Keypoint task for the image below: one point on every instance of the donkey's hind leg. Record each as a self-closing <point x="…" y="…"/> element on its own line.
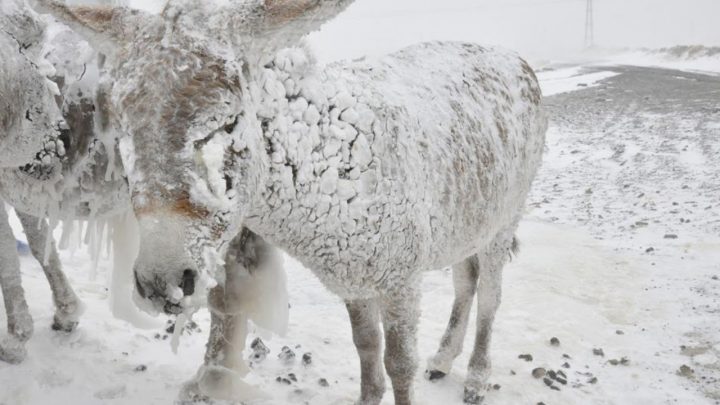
<point x="19" y="321"/>
<point x="68" y="307"/>
<point x="465" y="280"/>
<point x="365" y="321"/>
<point x="490" y="264"/>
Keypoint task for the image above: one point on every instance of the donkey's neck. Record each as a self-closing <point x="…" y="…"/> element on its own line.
<point x="315" y="131"/>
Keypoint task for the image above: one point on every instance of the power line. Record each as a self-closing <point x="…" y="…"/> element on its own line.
<point x="589" y="25"/>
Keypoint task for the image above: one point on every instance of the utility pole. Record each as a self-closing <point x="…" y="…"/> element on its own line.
<point x="589" y="26"/>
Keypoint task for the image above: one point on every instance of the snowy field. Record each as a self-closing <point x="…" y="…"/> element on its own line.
<point x="618" y="254"/>
<point x="620" y="261"/>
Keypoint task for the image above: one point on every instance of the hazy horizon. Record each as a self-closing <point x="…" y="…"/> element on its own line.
<point x="539" y="28"/>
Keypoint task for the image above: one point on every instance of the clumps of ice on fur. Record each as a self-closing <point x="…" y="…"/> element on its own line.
<point x="125" y="247"/>
<point x="262" y="294"/>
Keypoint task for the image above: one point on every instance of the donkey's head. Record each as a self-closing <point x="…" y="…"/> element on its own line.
<point x="185" y="92"/>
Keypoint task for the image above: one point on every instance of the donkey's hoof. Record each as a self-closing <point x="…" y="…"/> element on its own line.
<point x="63" y="325"/>
<point x="190" y="394"/>
<point x="67" y="317"/>
<point x="12" y="350"/>
<point x="473" y="396"/>
<point x="434" y="375"/>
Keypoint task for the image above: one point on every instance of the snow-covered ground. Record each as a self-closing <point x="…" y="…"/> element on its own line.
<point x="619" y="252"/>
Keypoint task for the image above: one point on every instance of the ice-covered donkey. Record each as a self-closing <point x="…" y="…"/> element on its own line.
<point x="51" y="161"/>
<point x="368" y="172"/>
<point x="62" y="165"/>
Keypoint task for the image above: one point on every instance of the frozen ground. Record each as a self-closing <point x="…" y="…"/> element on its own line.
<point x="619" y="252"/>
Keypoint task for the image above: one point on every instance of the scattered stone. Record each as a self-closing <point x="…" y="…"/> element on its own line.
<point x="260" y="351"/>
<point x="619" y="332"/>
<point x="323" y="382"/>
<point x="286" y="354"/>
<point x="685" y="371"/>
<point x="671" y="236"/>
<point x="283" y="380"/>
<point x="539" y="372"/>
<point x="307" y="359"/>
<point x="552" y="374"/>
<point x="716" y="278"/>
<point x="141" y="368"/>
<point x="555" y="342"/>
<point x="496" y="387"/>
<point x="593" y="380"/>
<point x="599" y="352"/>
<point x="548" y="381"/>
<point x="526" y="357"/>
<point x="512" y="372"/>
<point x="650" y="250"/>
<point x="555" y="387"/>
<point x="292" y="377"/>
<point x="623" y="361"/>
<point x="566" y="365"/>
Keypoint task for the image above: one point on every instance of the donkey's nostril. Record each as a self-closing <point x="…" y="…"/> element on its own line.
<point x="188" y="282"/>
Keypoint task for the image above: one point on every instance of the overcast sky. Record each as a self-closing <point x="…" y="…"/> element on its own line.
<point x="539" y="28"/>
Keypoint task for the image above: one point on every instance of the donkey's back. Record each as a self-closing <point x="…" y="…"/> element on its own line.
<point x="457" y="138"/>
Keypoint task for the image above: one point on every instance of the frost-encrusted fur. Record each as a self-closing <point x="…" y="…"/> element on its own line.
<point x="28" y="115"/>
<point x="66" y="174"/>
<point x="368" y="172"/>
<point x="370" y="182"/>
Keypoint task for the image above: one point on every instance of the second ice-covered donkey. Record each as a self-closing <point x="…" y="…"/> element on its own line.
<point x="368" y="172"/>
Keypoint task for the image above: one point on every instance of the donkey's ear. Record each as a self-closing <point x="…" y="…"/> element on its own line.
<point x="105" y="28"/>
<point x="293" y="19"/>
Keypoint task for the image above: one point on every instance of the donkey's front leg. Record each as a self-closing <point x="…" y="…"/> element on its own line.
<point x="218" y="377"/>
<point x="68" y="307"/>
<point x="19" y="321"/>
<point x="365" y="321"/>
<point x="465" y="281"/>
<point x="400" y="315"/>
